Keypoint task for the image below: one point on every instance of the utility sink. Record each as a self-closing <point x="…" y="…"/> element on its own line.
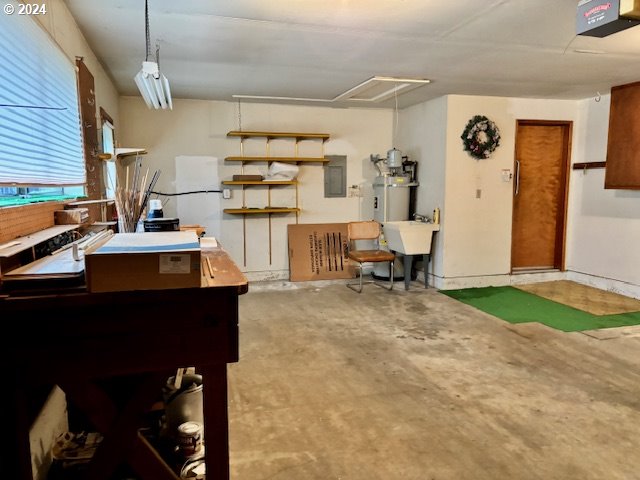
<point x="409" y="237"/>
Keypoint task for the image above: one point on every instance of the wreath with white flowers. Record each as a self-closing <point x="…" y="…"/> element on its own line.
<point x="480" y="137"/>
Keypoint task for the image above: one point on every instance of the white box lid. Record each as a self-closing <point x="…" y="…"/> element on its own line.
<point x="150" y="242"/>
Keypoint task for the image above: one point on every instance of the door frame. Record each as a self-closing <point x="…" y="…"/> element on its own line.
<point x="561" y="218"/>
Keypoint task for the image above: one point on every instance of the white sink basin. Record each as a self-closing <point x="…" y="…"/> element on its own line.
<point x="409" y="237"/>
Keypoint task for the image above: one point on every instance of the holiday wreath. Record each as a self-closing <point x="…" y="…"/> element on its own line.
<point x="480" y="137"/>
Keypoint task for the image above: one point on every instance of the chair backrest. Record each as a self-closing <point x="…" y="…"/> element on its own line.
<point x="369" y="230"/>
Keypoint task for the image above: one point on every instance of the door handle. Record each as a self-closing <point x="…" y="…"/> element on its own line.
<point x="517" y="177"/>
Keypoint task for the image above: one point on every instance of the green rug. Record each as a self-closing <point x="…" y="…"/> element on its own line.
<point x="517" y="306"/>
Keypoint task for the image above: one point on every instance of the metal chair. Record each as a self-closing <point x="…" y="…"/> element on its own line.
<point x="369" y="230"/>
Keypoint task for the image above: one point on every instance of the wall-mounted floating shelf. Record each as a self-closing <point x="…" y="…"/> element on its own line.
<point x="268" y="135"/>
<point x="589" y="165"/>
<point x="278" y="159"/>
<point x="103" y="208"/>
<point x="129" y="152"/>
<point x="260" y="182"/>
<point x="248" y="211"/>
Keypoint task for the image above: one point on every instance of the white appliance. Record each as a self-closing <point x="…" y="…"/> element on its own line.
<point x="392" y="196"/>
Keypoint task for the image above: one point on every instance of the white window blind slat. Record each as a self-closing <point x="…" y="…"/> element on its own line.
<point x="19" y="123"/>
<point x="40" y="132"/>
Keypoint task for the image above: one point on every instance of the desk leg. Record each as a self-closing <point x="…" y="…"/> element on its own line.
<point x="122" y="434"/>
<point x="15" y="458"/>
<point x="216" y="421"/>
<point x="101" y="411"/>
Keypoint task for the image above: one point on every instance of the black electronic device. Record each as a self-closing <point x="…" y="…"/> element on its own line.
<point x="161" y="225"/>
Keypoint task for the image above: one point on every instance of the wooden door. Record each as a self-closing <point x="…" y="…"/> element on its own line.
<point x="540" y="195"/>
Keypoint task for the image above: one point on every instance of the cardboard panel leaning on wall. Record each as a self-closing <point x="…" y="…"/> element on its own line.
<point x="318" y="252"/>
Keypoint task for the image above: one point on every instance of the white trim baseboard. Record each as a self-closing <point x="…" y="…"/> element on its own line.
<point x="603" y="283"/>
<point x="609" y="284"/>
<point x="267" y="275"/>
<point x="499" y="280"/>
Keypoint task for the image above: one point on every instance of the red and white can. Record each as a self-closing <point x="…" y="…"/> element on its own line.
<point x="190" y="438"/>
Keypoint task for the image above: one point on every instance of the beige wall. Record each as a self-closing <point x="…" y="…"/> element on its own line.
<point x="199" y="128"/>
<point x="473" y="247"/>
<point x="478" y="230"/>
<point x="422" y="135"/>
<point x="604" y="224"/>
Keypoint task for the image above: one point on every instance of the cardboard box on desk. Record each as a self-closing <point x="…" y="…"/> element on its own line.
<point x="71" y="217"/>
<point x="144" y="261"/>
<point x="318" y="252"/>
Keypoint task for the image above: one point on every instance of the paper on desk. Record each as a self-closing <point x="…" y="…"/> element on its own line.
<point x="208" y="242"/>
<point x="10" y="244"/>
<point x="150" y="242"/>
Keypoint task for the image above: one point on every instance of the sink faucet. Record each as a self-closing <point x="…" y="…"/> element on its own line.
<point x="420" y="218"/>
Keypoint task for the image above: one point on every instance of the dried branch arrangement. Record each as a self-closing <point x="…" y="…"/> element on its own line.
<point x="131" y="197"/>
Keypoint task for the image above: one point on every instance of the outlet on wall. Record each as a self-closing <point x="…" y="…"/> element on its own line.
<point x="226" y="193"/>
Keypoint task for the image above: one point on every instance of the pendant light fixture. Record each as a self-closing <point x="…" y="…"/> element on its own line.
<point x="153" y="85"/>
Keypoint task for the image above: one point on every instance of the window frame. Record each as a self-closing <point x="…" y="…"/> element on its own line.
<point x="27" y="192"/>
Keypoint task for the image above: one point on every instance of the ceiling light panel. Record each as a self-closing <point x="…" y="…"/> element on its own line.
<point x="377" y="89"/>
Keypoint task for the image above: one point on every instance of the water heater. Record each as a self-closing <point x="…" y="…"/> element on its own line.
<point x="391" y="198"/>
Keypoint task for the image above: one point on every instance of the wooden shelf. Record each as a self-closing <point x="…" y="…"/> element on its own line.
<point x="104" y="224"/>
<point x="244" y="211"/>
<point x="130" y="152"/>
<point x="80" y="203"/>
<point x="297" y="136"/>
<point x="259" y="182"/>
<point x="21" y="244"/>
<point x="589" y="165"/>
<point x="295" y="158"/>
<point x="278" y="159"/>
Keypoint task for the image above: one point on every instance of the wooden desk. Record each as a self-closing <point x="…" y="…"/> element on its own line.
<point x="73" y="338"/>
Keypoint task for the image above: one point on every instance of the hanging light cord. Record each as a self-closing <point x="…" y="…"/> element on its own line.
<point x="146" y="24"/>
<point x="395" y="129"/>
<point x="184" y="193"/>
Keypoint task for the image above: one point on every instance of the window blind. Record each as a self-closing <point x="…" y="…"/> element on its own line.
<point x="40" y="136"/>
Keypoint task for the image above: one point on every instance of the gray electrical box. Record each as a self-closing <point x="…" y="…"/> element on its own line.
<point x="335" y="176"/>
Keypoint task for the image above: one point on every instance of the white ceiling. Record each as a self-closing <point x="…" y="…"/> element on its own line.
<point x="213" y="49"/>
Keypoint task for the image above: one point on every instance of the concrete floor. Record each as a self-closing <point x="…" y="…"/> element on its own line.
<point x="417" y="386"/>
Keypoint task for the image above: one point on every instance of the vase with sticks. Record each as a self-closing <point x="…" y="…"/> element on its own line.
<point x="132" y="196"/>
